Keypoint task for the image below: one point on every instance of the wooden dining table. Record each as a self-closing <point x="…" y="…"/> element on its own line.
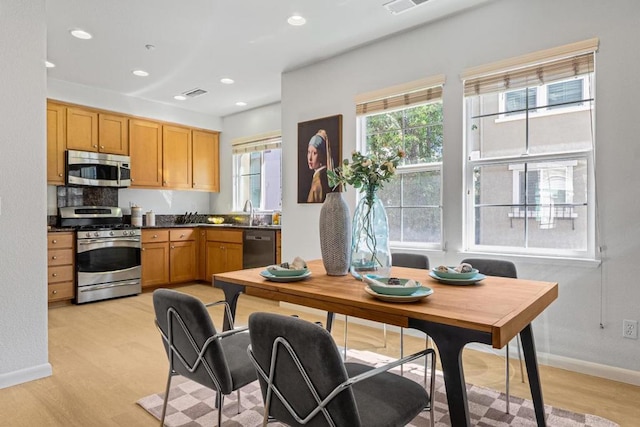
<point x="491" y="311"/>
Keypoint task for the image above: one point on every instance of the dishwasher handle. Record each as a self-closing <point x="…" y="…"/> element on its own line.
<point x="263" y="238"/>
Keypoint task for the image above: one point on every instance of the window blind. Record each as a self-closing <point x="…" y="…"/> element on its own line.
<point x="256" y="143"/>
<point x="412" y="93"/>
<point x="532" y="70"/>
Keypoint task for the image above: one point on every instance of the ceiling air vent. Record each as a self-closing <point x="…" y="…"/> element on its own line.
<point x="194" y="93"/>
<point x="399" y="6"/>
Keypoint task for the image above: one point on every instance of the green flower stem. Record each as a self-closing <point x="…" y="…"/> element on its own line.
<point x="368" y="229"/>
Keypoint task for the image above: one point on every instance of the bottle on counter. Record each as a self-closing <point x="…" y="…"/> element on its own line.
<point x="136" y="216"/>
<point x="275" y="218"/>
<point x="151" y="219"/>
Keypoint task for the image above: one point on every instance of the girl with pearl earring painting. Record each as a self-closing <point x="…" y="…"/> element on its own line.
<point x="319" y="149"/>
<point x="318" y="157"/>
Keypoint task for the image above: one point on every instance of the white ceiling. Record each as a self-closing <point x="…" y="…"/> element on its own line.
<point x="198" y="42"/>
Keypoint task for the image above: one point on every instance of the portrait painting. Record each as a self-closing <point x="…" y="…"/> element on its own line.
<point x="319" y="150"/>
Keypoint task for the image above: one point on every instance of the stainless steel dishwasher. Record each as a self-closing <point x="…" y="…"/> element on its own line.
<point x="259" y="248"/>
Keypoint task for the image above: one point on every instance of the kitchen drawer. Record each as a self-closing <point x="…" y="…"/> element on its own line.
<point x="62" y="273"/>
<point x="61" y="291"/>
<point x="60" y="240"/>
<point x="182" y="234"/>
<point x="231" y="236"/>
<point x="60" y="257"/>
<point x="151" y="236"/>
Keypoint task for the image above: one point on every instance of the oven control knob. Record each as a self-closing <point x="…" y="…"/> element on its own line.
<point x="96" y="234"/>
<point x="88" y="234"/>
<point x="111" y="233"/>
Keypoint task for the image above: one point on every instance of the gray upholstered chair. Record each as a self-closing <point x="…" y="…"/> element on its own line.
<point x="304" y="381"/>
<point x="196" y="350"/>
<point x="494" y="267"/>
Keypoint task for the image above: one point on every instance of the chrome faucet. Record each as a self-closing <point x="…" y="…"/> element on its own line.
<point x="248" y="207"/>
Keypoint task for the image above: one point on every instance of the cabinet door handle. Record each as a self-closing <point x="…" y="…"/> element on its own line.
<point x="54" y="292"/>
<point x="181" y="236"/>
<point x="60" y="175"/>
<point x="173" y="247"/>
<point x="54" y="241"/>
<point x="95" y="145"/>
<point x="102" y="146"/>
<point x="155" y="236"/>
<point x="54" y="257"/>
<point x="144" y="249"/>
<point x="55" y="274"/>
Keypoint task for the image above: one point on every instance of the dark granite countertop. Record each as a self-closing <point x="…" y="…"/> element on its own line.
<point x="221" y="226"/>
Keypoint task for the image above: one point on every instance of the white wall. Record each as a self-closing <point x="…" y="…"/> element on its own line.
<point x="570" y="326"/>
<point x="258" y="121"/>
<point x="23" y="257"/>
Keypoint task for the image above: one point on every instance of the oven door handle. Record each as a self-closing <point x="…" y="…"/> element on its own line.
<point x="90" y="244"/>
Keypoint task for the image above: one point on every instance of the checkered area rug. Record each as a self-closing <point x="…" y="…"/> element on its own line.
<point x="192" y="405"/>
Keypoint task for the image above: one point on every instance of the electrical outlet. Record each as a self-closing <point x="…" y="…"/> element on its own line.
<point x="630" y="329"/>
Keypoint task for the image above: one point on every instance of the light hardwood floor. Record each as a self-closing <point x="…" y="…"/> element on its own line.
<point x="107" y="355"/>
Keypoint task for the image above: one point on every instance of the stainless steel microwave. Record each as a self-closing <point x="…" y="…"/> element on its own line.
<point x="97" y="169"/>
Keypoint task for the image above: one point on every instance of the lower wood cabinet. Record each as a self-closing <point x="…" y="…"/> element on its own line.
<point x="278" y="247"/>
<point x="60" y="266"/>
<point x="168" y="256"/>
<point x="182" y="255"/>
<point x="223" y="251"/>
<point x="155" y="257"/>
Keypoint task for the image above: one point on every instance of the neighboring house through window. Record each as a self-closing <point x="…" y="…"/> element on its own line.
<point x="412" y="121"/>
<point x="529" y="168"/>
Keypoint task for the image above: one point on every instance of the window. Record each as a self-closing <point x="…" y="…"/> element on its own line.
<point x="520" y="100"/>
<point x="413" y="197"/>
<point x="529" y="163"/>
<point x="560" y="97"/>
<point x="257" y="174"/>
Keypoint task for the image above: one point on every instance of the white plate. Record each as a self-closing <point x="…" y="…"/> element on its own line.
<point x="423" y="292"/>
<point x="472" y="281"/>
<point x="273" y="278"/>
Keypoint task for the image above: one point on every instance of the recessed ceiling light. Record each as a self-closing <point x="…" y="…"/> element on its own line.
<point x="227" y="81"/>
<point x="49" y="64"/>
<point x="296" y="20"/>
<point x="140" y="73"/>
<point x="80" y="34"/>
<point x="180" y="97"/>
<point x="241" y="103"/>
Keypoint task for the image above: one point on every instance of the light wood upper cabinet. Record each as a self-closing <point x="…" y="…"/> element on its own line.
<point x="163" y="155"/>
<point x="145" y="146"/>
<point x="113" y="134"/>
<point x="82" y="129"/>
<point x="56" y="143"/>
<point x="206" y="161"/>
<point x="176" y="157"/>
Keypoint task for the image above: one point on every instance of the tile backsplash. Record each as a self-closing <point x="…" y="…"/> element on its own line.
<point x="86" y="196"/>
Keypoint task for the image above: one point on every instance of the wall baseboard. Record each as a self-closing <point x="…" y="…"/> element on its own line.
<point x="575" y="365"/>
<point x="25" y="375"/>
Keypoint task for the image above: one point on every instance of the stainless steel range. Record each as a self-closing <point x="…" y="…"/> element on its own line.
<point x="107" y="252"/>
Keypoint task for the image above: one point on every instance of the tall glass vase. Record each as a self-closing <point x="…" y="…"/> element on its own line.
<point x="370" y="252"/>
